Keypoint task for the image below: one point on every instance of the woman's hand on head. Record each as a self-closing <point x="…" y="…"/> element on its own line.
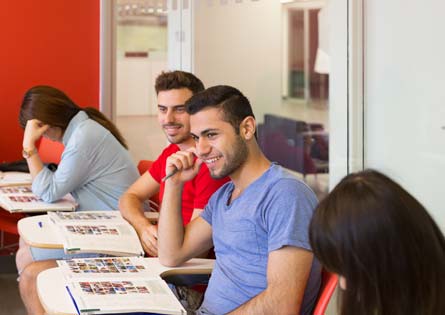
<point x="33" y="131"/>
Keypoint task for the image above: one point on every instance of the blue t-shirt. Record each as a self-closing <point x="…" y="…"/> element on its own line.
<point x="95" y="168"/>
<point x="272" y="212"/>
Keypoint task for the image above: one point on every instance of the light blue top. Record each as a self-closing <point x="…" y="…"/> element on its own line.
<point x="95" y="168"/>
<point x="272" y="212"/>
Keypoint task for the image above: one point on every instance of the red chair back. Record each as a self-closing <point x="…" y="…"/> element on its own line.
<point x="9" y="235"/>
<point x="8" y="221"/>
<point x="328" y="285"/>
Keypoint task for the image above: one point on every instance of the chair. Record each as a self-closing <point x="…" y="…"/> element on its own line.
<point x="143" y="166"/>
<point x="8" y="231"/>
<point x="328" y="285"/>
<point x="295" y="144"/>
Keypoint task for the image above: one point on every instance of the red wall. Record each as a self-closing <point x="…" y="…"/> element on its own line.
<point x="51" y="42"/>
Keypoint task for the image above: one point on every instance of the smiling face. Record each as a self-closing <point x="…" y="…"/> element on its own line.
<point x="217" y="143"/>
<point x="172" y="117"/>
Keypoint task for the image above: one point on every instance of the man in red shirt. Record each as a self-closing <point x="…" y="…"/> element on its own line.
<point x="173" y="89"/>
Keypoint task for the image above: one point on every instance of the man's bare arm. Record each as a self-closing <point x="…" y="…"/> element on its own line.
<point x="176" y="244"/>
<point x="288" y="270"/>
<point x="132" y="209"/>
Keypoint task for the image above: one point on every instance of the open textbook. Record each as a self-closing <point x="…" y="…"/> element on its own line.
<point x="104" y="232"/>
<point x="118" y="285"/>
<point x="14" y="178"/>
<point x="21" y="199"/>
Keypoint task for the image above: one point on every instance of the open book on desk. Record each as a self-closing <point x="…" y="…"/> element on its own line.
<point x="102" y="232"/>
<point x="14" y="178"/>
<point x="21" y="199"/>
<point x="113" y="285"/>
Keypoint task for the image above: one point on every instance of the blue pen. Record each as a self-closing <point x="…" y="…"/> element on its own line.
<point x="72" y="299"/>
<point x="40" y="224"/>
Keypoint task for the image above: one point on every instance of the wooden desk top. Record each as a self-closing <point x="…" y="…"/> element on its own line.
<point x="38" y="231"/>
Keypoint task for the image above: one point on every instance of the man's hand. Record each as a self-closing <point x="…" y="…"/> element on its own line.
<point x="186" y="164"/>
<point x="149" y="239"/>
<point x="33" y="131"/>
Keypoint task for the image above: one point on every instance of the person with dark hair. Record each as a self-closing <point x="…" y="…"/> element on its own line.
<point x="257" y="223"/>
<point x="387" y="250"/>
<point x="173" y="89"/>
<point x="87" y="136"/>
<point x="95" y="167"/>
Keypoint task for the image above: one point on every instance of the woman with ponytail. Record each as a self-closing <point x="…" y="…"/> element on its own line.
<point x="95" y="166"/>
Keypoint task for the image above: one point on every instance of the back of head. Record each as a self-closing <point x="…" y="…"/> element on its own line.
<point x="173" y="80"/>
<point x="49" y="105"/>
<point x="232" y="103"/>
<point x="53" y="107"/>
<point x="382" y="240"/>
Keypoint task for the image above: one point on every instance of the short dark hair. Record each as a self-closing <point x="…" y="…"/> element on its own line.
<point x="232" y="103"/>
<point x="172" y="80"/>
<point x="383" y="241"/>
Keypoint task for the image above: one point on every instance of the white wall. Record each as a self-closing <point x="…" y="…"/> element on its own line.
<point x="405" y="93"/>
<point x="135" y="84"/>
<point x="135" y="76"/>
<point x="239" y="44"/>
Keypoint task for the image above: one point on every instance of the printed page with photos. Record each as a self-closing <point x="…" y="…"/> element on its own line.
<point x="118" y="295"/>
<point x="106" y="267"/>
<point x="14" y="179"/>
<point x="21" y="199"/>
<point x="91" y="217"/>
<point x="105" y="285"/>
<point x="102" y="232"/>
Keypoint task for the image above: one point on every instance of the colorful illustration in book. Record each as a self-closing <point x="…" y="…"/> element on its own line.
<point x="104" y="265"/>
<point x="91" y="230"/>
<point x="86" y="216"/>
<point x="16" y="190"/>
<point x="112" y="287"/>
<point x="25" y="199"/>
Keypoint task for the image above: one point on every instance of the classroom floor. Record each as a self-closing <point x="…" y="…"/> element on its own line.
<point x="10" y="302"/>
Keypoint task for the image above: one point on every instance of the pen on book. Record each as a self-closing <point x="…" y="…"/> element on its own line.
<point x="169" y="175"/>
<point x="72" y="299"/>
<point x="40" y="224"/>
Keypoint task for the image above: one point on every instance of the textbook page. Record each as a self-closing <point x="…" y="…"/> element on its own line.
<point x="94" y="295"/>
<point x="104" y="232"/>
<point x="21" y="199"/>
<point x="90" y="217"/>
<point x="106" y="267"/>
<point x="14" y="178"/>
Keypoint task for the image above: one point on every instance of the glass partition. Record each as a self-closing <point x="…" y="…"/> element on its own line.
<point x="275" y="54"/>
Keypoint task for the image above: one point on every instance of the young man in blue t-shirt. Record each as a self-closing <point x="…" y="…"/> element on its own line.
<point x="257" y="223"/>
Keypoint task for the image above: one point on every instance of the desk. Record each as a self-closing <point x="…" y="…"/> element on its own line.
<point x="38" y="231"/>
<point x="56" y="301"/>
